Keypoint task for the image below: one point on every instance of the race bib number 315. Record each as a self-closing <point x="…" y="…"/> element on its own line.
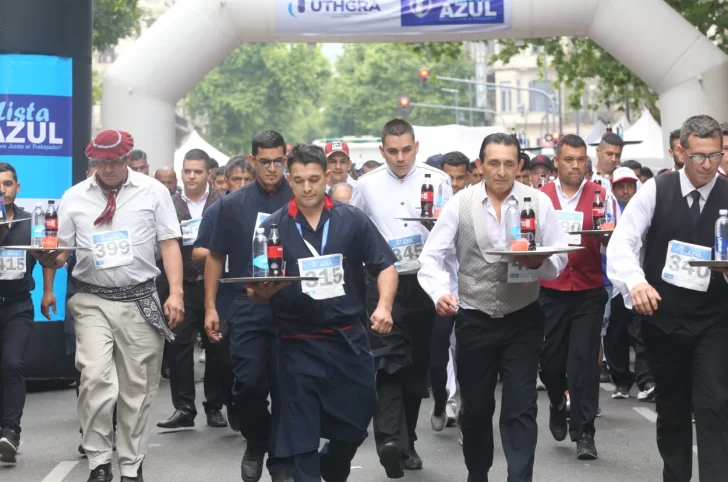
<point x="112" y="249"/>
<point x="407" y="250"/>
<point x="330" y="272"/>
<point x="12" y="264"/>
<point x="678" y="272"/>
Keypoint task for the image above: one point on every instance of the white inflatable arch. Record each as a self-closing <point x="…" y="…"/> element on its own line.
<point x="141" y="89"/>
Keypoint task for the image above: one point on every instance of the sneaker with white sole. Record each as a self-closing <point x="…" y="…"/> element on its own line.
<point x="9" y="444"/>
<point x="648" y="394"/>
<point x="452" y="413"/>
<point x="438" y="422"/>
<point x="621" y="392"/>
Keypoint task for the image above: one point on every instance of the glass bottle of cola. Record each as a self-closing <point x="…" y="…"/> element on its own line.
<point x="543" y="181"/>
<point x="275" y="252"/>
<point x="528" y="223"/>
<point x="427" y="198"/>
<point x="597" y="210"/>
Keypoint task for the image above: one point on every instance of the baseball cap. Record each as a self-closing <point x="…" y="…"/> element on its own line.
<point x="543" y="161"/>
<point x="336" y="146"/>
<point x="624" y="174"/>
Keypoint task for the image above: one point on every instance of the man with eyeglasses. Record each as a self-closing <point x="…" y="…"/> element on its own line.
<point x="573" y="305"/>
<point x="251" y="328"/>
<point x="671" y="220"/>
<point x="339" y="162"/>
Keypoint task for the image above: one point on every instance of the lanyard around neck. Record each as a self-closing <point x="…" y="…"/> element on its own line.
<point x="324" y="238"/>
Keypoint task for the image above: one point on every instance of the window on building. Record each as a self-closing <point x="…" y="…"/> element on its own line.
<point x="505" y="97"/>
<point x="538" y="102"/>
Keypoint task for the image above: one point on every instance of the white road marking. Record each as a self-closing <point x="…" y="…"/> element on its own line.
<point x="695" y="449"/>
<point x="353" y="467"/>
<point x="607" y="387"/>
<point x="647" y="413"/>
<point x="60" y="471"/>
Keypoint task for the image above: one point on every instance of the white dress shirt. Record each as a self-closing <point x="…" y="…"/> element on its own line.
<point x="384" y="197"/>
<point x="143" y="207"/>
<point x="624" y="253"/>
<point x="440" y="246"/>
<point x="569" y="203"/>
<point x="196" y="207"/>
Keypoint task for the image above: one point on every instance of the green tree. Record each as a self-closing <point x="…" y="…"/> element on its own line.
<point x="371" y="77"/>
<point x="262" y="86"/>
<point x="576" y="60"/>
<point x="113" y="20"/>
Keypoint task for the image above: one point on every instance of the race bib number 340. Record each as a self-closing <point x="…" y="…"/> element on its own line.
<point x="678" y="272"/>
<point x="407" y="250"/>
<point x="12" y="264"/>
<point x="112" y="249"/>
<point x="330" y="272"/>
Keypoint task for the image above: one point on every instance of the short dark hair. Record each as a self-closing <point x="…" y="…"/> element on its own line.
<point x="219" y="171"/>
<point x="724" y="128"/>
<point x="5" y="167"/>
<point x="238" y="162"/>
<point x="371" y="165"/>
<point x="214" y="164"/>
<point x="702" y="127"/>
<point x="526" y="161"/>
<point x="647" y="172"/>
<point x="572" y="140"/>
<point x="612" y="139"/>
<point x="197" y="155"/>
<point x="632" y="165"/>
<point x="455" y="159"/>
<point x="472" y="166"/>
<point x="307" y="154"/>
<point x="674" y="137"/>
<point x="500" y="138"/>
<point x="138" y="155"/>
<point x="397" y="127"/>
<point x="267" y="140"/>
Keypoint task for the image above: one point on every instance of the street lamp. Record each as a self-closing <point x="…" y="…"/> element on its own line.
<point x="424" y="76"/>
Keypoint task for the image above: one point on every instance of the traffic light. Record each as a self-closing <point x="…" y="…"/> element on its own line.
<point x="424" y="76"/>
<point x="404" y="105"/>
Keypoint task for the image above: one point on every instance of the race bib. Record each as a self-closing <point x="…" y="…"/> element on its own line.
<point x="330" y="271"/>
<point x="519" y="274"/>
<point x="678" y="272"/>
<point x="12" y="264"/>
<point x="571" y="221"/>
<point x="190" y="228"/>
<point x="407" y="250"/>
<point x="112" y="249"/>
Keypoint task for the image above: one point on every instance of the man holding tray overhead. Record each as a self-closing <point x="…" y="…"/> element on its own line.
<point x="322" y="361"/>
<point x="117" y="217"/>
<point x="498" y="324"/>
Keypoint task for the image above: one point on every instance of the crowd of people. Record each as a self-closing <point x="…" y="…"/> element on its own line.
<point x="396" y="307"/>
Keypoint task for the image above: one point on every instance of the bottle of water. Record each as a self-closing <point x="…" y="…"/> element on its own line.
<point x="443" y="196"/>
<point x="721" y="236"/>
<point x="513" y="223"/>
<point x="3" y="214"/>
<point x="260" y="253"/>
<point x="39" y="227"/>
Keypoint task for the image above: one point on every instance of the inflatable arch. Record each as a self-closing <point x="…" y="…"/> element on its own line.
<point x="689" y="73"/>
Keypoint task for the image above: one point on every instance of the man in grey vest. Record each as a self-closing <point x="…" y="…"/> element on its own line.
<point x="498" y="324"/>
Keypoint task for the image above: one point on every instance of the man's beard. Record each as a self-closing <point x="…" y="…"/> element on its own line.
<point x="678" y="161"/>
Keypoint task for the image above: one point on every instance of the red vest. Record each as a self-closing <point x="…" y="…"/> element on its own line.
<point x="584" y="270"/>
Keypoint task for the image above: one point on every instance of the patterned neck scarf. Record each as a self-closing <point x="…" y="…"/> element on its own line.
<point x="108" y="214"/>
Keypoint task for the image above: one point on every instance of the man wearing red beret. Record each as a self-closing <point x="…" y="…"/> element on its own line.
<point x="116" y="218"/>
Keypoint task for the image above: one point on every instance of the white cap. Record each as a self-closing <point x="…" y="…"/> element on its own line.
<point x="624" y="174"/>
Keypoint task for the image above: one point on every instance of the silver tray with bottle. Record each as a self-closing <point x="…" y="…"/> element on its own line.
<point x="540" y="251"/>
<point x="14" y="221"/>
<point x="268" y="279"/>
<point x="34" y="248"/>
<point x="419" y="220"/>
<point x="708" y="264"/>
<point x="593" y="232"/>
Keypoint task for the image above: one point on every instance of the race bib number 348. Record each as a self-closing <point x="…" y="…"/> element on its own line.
<point x="678" y="272"/>
<point x="112" y="249"/>
<point x="330" y="272"/>
<point x="407" y="250"/>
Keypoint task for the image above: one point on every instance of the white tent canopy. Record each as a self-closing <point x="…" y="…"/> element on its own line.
<point x="443" y="139"/>
<point x="651" y="152"/>
<point x="196" y="141"/>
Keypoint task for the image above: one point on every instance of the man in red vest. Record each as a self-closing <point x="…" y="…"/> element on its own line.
<point x="573" y="305"/>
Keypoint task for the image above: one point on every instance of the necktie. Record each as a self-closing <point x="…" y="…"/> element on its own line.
<point x="108" y="214"/>
<point x="695" y="208"/>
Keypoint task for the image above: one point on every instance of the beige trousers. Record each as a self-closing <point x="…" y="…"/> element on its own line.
<point x="119" y="355"/>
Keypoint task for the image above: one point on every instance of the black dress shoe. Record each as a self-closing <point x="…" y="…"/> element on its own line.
<point x="138" y="478"/>
<point x="216" y="419"/>
<point x="251" y="468"/>
<point x="179" y="419"/>
<point x="102" y="473"/>
<point x="585" y="448"/>
<point x="557" y="422"/>
<point x="391" y="459"/>
<point x="413" y="462"/>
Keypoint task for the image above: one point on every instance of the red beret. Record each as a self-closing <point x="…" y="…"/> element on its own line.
<point x="110" y="145"/>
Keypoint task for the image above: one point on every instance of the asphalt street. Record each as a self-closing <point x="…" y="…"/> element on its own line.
<point x="625" y="440"/>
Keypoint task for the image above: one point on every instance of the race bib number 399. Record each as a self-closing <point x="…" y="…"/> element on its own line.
<point x="407" y="250"/>
<point x="12" y="264"/>
<point x="112" y="249"/>
<point x="678" y="272"/>
<point x="330" y="272"/>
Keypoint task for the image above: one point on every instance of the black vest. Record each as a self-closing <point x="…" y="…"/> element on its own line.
<point x="671" y="221"/>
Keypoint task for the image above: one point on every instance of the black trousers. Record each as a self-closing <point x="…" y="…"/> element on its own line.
<point x="691" y="373"/>
<point x="398" y="411"/>
<point x="485" y="348"/>
<point x="16" y="325"/>
<point x="331" y="464"/>
<point x="570" y="355"/>
<point x="439" y="358"/>
<point x="623" y="331"/>
<point x="218" y="369"/>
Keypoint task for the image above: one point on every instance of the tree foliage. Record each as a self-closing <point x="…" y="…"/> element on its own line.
<point x="577" y="60"/>
<point x="114" y="20"/>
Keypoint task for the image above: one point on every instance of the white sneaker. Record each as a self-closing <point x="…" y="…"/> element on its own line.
<point x="647" y="395"/>
<point x="438" y="422"/>
<point x="452" y="413"/>
<point x="539" y="384"/>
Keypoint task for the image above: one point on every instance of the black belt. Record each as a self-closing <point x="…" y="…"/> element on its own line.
<point x="5" y="300"/>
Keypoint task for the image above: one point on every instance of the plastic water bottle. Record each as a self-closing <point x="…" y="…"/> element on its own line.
<point x="3" y="213"/>
<point x="39" y="227"/>
<point x="260" y="253"/>
<point x="443" y="196"/>
<point x="721" y="236"/>
<point x="513" y="223"/>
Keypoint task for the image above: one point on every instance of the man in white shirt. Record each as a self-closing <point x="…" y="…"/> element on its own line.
<point x="402" y="357"/>
<point x="609" y="154"/>
<point x="498" y="324"/>
<point x="116" y="218"/>
<point x="683" y="308"/>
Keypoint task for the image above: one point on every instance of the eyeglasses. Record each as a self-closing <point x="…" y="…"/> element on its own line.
<point x="267" y="162"/>
<point x="700" y="158"/>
